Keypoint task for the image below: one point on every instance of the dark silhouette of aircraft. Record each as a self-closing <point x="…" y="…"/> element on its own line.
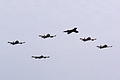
<point x="88" y="39"/>
<point x="47" y="36"/>
<point x="103" y="46"/>
<point x="40" y="57"/>
<point x="72" y="30"/>
<point x="16" y="42"/>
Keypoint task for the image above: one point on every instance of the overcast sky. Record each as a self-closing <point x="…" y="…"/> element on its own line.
<point x="70" y="58"/>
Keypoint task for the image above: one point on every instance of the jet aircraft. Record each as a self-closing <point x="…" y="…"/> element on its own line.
<point x="47" y="36"/>
<point x="40" y="57"/>
<point x="103" y="46"/>
<point x="88" y="39"/>
<point x="72" y="30"/>
<point x="16" y="42"/>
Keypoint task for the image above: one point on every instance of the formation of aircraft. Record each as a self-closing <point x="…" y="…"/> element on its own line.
<point x="16" y="42"/>
<point x="40" y="57"/>
<point x="88" y="39"/>
<point x="47" y="36"/>
<point x="103" y="46"/>
<point x="71" y="30"/>
<point x="68" y="32"/>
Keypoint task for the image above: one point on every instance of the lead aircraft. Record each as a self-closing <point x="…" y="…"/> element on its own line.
<point x="103" y="46"/>
<point x="71" y="31"/>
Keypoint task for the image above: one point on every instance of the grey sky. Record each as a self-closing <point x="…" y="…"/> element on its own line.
<point x="70" y="58"/>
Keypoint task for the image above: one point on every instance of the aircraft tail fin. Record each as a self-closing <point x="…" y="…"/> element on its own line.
<point x="52" y="36"/>
<point x="46" y="57"/>
<point x="22" y="42"/>
<point x="94" y="39"/>
<point x="76" y="31"/>
<point x="110" y="46"/>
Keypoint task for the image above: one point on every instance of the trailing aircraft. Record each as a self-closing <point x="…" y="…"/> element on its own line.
<point x="40" y="57"/>
<point x="16" y="42"/>
<point x="88" y="39"/>
<point x="47" y="36"/>
<point x="72" y="30"/>
<point x="103" y="46"/>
